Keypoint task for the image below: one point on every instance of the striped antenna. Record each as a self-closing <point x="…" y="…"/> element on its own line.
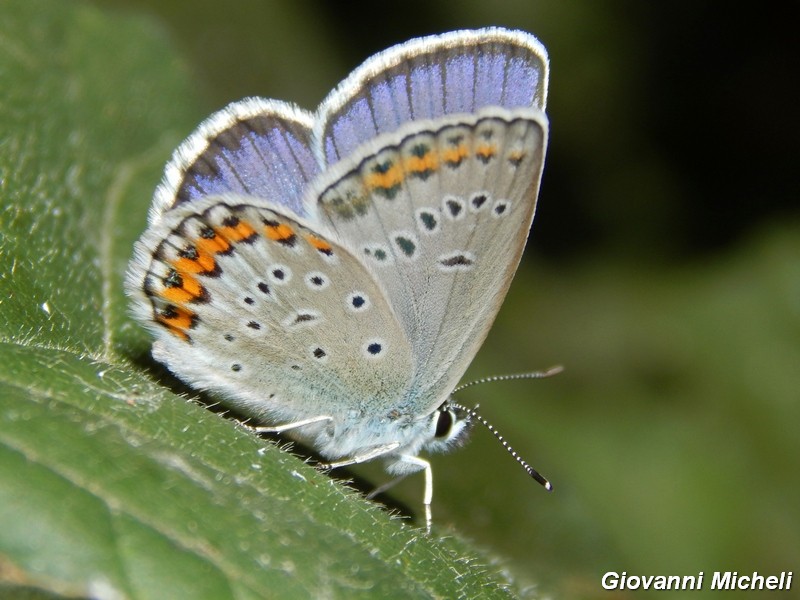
<point x="533" y="375"/>
<point x="473" y="414"/>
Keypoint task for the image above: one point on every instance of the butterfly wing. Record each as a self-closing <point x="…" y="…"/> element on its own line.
<point x="296" y="289"/>
<point x="440" y="211"/>
<point x="248" y="301"/>
<point x="439" y="145"/>
<point x="430" y="77"/>
<point x="255" y="147"/>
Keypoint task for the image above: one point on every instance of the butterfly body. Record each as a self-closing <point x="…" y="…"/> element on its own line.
<point x="337" y="273"/>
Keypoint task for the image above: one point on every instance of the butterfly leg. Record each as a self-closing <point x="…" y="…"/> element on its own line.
<point x="288" y="426"/>
<point x="422" y="464"/>
<point x="365" y="457"/>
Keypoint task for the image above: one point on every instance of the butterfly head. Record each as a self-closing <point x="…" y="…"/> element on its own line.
<point x="448" y="427"/>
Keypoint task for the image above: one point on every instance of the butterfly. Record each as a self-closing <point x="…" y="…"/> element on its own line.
<point x="333" y="274"/>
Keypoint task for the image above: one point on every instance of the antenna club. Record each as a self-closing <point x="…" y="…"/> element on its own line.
<point x="471" y="413"/>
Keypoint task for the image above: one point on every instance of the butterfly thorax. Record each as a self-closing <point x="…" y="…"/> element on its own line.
<point x="357" y="434"/>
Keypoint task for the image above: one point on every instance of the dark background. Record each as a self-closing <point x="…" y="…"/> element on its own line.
<point x="663" y="271"/>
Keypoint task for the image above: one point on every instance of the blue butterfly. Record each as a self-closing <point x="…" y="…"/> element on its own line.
<point x="336" y="272"/>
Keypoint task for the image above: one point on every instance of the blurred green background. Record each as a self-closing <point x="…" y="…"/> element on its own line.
<point x="663" y="271"/>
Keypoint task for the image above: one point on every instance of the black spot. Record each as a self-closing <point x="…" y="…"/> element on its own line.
<point x="458" y="260"/>
<point x="254" y="325"/>
<point x="478" y="201"/>
<point x="374" y="348"/>
<point x="249" y="300"/>
<point x="382" y="167"/>
<point x="377" y="253"/>
<point x="428" y="220"/>
<point x="189" y="252"/>
<point x="279" y="274"/>
<point x="295" y="367"/>
<point x="230" y="221"/>
<point x="420" y="150"/>
<point x="319" y="353"/>
<point x="236" y="367"/>
<point x="358" y="301"/>
<point x="303" y="318"/>
<point x="263" y="287"/>
<point x="228" y="337"/>
<point x="500" y="209"/>
<point x="173" y="279"/>
<point x="454" y="207"/>
<point x="406" y="245"/>
<point x="317" y="280"/>
<point x="388" y="192"/>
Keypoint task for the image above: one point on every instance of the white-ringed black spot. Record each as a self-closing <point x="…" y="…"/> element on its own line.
<point x="478" y="201"/>
<point x="358" y="301"/>
<point x="279" y="274"/>
<point x="303" y="317"/>
<point x="317" y="281"/>
<point x="500" y="208"/>
<point x="254" y="325"/>
<point x="453" y="207"/>
<point x="405" y="243"/>
<point x="378" y="253"/>
<point x="456" y="261"/>
<point x="263" y="287"/>
<point x="427" y="220"/>
<point x="375" y="348"/>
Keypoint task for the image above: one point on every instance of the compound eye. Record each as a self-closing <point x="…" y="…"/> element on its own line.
<point x="444" y="424"/>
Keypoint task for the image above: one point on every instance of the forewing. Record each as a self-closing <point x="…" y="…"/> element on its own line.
<point x="249" y="302"/>
<point x="255" y="147"/>
<point x="430" y="77"/>
<point x="440" y="212"/>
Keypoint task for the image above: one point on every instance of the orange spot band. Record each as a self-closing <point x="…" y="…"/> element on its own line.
<point x="278" y="232"/>
<point x="318" y="243"/>
<point x="454" y="155"/>
<point x="241" y="231"/>
<point x="213" y="245"/>
<point x="486" y="151"/>
<point x="181" y="318"/>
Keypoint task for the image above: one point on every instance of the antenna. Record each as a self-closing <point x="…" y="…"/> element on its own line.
<point x="532" y="375"/>
<point x="473" y="413"/>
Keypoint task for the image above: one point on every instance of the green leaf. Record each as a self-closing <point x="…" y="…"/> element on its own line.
<point x="111" y="485"/>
